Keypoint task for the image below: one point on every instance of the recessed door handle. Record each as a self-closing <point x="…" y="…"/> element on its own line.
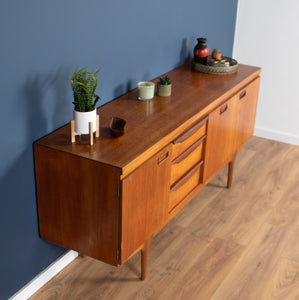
<point x="190" y="131"/>
<point x="223" y="109"/>
<point x="242" y="94"/>
<point x="186" y="153"/>
<point x="186" y="177"/>
<point x="162" y="157"/>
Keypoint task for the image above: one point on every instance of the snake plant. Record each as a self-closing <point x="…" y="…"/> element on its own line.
<point x="84" y="85"/>
<point x="164" y="80"/>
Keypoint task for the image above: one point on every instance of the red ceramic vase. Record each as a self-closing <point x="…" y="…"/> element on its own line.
<point x="201" y="51"/>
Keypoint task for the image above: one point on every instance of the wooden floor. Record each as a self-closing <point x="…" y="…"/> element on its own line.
<point x="238" y="243"/>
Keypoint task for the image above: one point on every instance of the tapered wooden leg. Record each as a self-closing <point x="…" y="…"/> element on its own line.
<point x="91" y="133"/>
<point x="144" y="258"/>
<point x="230" y="172"/>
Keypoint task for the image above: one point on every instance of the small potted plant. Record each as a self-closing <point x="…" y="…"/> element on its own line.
<point x="216" y="54"/>
<point x="164" y="86"/>
<point x="84" y="85"/>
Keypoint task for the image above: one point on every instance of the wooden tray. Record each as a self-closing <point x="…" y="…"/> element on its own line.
<point x="221" y="70"/>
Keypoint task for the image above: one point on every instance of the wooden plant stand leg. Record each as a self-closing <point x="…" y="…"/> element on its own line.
<point x="98" y="126"/>
<point x="144" y="258"/>
<point x="91" y="133"/>
<point x="73" y="133"/>
<point x="230" y="172"/>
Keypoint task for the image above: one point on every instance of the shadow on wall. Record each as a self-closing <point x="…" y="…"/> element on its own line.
<point x="185" y="56"/>
<point x="23" y="253"/>
<point x="131" y="84"/>
<point x="63" y="97"/>
<point x="186" y="53"/>
<point x="21" y="244"/>
<point x="44" y="114"/>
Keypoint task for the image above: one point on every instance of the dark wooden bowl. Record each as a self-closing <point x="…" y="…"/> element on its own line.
<point x="117" y="126"/>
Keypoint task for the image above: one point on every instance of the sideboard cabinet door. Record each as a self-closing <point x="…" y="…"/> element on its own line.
<point x="78" y="205"/>
<point x="229" y="127"/>
<point x="220" y="138"/>
<point x="247" y="104"/>
<point x="145" y="195"/>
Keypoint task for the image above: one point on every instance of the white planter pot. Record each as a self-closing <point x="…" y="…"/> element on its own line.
<point x="82" y="120"/>
<point x="146" y="90"/>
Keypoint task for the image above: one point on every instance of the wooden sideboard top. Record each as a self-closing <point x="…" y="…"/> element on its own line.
<point x="153" y="124"/>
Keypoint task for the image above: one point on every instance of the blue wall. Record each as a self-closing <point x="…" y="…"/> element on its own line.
<point x="41" y="42"/>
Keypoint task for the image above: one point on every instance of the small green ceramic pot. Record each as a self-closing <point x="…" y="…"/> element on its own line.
<point x="164" y="90"/>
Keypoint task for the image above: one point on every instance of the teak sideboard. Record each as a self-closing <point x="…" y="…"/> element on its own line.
<point x="109" y="200"/>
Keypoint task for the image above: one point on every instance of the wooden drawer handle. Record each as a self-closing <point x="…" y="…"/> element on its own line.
<point x="190" y="131"/>
<point x="188" y="151"/>
<point x="187" y="176"/>
<point x="163" y="157"/>
<point x="223" y="109"/>
<point x="242" y="94"/>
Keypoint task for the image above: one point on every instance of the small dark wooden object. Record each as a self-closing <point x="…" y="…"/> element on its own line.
<point x="117" y="126"/>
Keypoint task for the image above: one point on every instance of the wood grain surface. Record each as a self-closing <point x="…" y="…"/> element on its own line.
<point x="238" y="243"/>
<point x="151" y="125"/>
<point x="145" y="202"/>
<point x="78" y="205"/>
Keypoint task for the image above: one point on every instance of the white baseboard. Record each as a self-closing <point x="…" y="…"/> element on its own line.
<point x="36" y="283"/>
<point x="277" y="135"/>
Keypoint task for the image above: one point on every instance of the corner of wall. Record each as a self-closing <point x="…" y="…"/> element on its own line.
<point x="277" y="135"/>
<point x="236" y="28"/>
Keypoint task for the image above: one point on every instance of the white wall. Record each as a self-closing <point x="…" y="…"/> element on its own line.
<point x="267" y="35"/>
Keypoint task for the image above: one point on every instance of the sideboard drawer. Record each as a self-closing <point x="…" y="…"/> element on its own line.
<point x="185" y="185"/>
<point x="188" y="138"/>
<point x="184" y="162"/>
